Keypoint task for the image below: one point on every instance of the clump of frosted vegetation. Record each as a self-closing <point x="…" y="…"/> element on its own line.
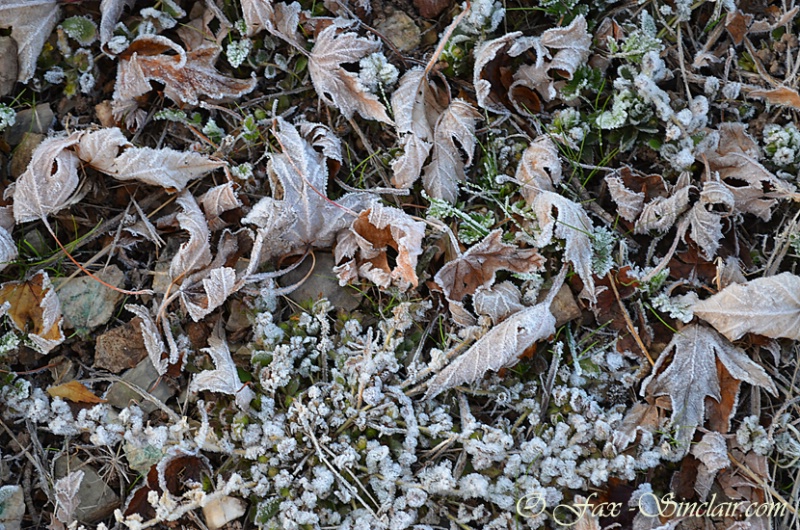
<point x="376" y="72"/>
<point x="237" y="52"/>
<point x="484" y="17"/>
<point x="782" y="145"/>
<point x="7" y="116"/>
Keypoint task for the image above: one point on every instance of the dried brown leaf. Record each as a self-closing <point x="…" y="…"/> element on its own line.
<point x="539" y="169"/>
<point x="74" y="391"/>
<point x="766" y="306"/>
<point x="110" y="12"/>
<point x="498" y="301"/>
<point x="31" y="22"/>
<point x="692" y="375"/>
<point x="477" y="266"/>
<point x="783" y="96"/>
<point x="195" y="253"/>
<point x="335" y="85"/>
<point x="488" y="55"/>
<point x="34" y="308"/>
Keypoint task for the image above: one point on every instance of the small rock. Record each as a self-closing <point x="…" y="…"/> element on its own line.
<point x="87" y="303"/>
<point x="222" y="511"/>
<point x="8" y="65"/>
<point x="431" y="8"/>
<point x="401" y="30"/>
<point x="12" y="507"/>
<point x="144" y="376"/>
<point x="120" y="348"/>
<point x="24" y="152"/>
<point x="36" y="120"/>
<point x="321" y="284"/>
<point x="564" y="306"/>
<point x="97" y="499"/>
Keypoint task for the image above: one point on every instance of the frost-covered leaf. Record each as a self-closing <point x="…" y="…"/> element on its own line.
<point x="12" y="506"/>
<point x="335" y="85"/>
<point x="539" y="169"/>
<point x="573" y="226"/>
<point x="712" y="450"/>
<point x="379" y="228"/>
<point x="67" y="499"/>
<point x="692" y="375"/>
<point x="478" y="265"/>
<point x="661" y="213"/>
<point x="629" y="203"/>
<point x="488" y="56"/>
<point x="498" y="301"/>
<point x="100" y="148"/>
<point x="784" y="96"/>
<point x="217" y="287"/>
<point x="186" y="75"/>
<point x="49" y="183"/>
<point x="736" y="159"/>
<point x="501" y="346"/>
<point x="110" y="13"/>
<point x="258" y="15"/>
<point x="280" y="19"/>
<point x="408" y="167"/>
<point x="195" y="253"/>
<point x="74" y="391"/>
<point x="34" y="308"/>
<point x="766" y="306"/>
<point x="153" y="342"/>
<point x="704" y="219"/>
<point x="225" y="377"/>
<point x="217" y="201"/>
<point x="446" y="169"/>
<point x="8" y="248"/>
<point x="641" y="417"/>
<point x="31" y="22"/>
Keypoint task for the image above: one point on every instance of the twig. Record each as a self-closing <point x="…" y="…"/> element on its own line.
<point x="628" y="320"/>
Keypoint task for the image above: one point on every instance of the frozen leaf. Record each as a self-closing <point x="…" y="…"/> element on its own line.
<point x="225" y="378"/>
<point x="573" y="226"/>
<point x="629" y="203"/>
<point x="34" y="308"/>
<point x="222" y="510"/>
<point x="478" y="265"/>
<point x="712" y="450"/>
<point x="446" y="169"/>
<point x="736" y="158"/>
<point x="488" y="58"/>
<point x="704" y="219"/>
<point x="195" y="253"/>
<point x="766" y="306"/>
<point x="642" y="417"/>
<point x="281" y="20"/>
<point x="498" y="301"/>
<point x="67" y="499"/>
<point x="164" y="167"/>
<point x="8" y="249"/>
<point x="49" y="183"/>
<point x="783" y="96"/>
<point x="407" y="169"/>
<point x="153" y="342"/>
<point x="501" y="346"/>
<point x="217" y="201"/>
<point x="100" y="148"/>
<point x="87" y="303"/>
<point x="300" y="177"/>
<point x="220" y="284"/>
<point x="31" y="22"/>
<point x="186" y="75"/>
<point x="381" y="227"/>
<point x="12" y="506"/>
<point x="258" y="15"/>
<point x="661" y="213"/>
<point x="539" y="169"/>
<point x="588" y="520"/>
<point x="692" y="375"/>
<point x="74" y="391"/>
<point x="335" y="85"/>
<point x="110" y="13"/>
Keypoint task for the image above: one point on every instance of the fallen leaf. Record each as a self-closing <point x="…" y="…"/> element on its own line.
<point x="279" y="19"/>
<point x="501" y="346"/>
<point x="478" y="265"/>
<point x="195" y="253"/>
<point x="498" y="301"/>
<point x="217" y="201"/>
<point x="74" y="391"/>
<point x="766" y="306"/>
<point x="737" y="23"/>
<point x="446" y="169"/>
<point x="34" y="308"/>
<point x="490" y="56"/>
<point x="712" y="451"/>
<point x="641" y="417"/>
<point x="783" y="96"/>
<point x="110" y="13"/>
<point x="629" y="202"/>
<point x="120" y="348"/>
<point x="662" y="213"/>
<point x="705" y="218"/>
<point x="335" y="85"/>
<point x="8" y="248"/>
<point x="153" y="342"/>
<point x="539" y="169"/>
<point x="87" y="303"/>
<point x="225" y="377"/>
<point x="31" y="22"/>
<point x="67" y="498"/>
<point x="692" y="375"/>
<point x="216" y="288"/>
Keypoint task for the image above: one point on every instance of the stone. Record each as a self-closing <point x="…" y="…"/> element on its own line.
<point x="12" y="507"/>
<point x="37" y="120"/>
<point x="120" y="348"/>
<point x="322" y="283"/>
<point x="97" y="499"/>
<point x="401" y="30"/>
<point x="9" y="67"/>
<point x="144" y="376"/>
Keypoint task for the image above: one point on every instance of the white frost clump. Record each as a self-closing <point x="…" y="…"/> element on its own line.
<point x="7" y="116"/>
<point x="237" y="52"/>
<point x="484" y="16"/>
<point x="376" y="71"/>
<point x="752" y="436"/>
<point x="54" y="76"/>
<point x="782" y="144"/>
<point x="679" y="307"/>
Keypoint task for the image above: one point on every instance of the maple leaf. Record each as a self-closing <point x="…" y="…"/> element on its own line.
<point x="8" y="248"/>
<point x="299" y="177"/>
<point x="539" y="169"/>
<point x="67" y="495"/>
<point x="31" y="22"/>
<point x="692" y="375"/>
<point x="446" y="169"/>
<point x="501" y="346"/>
<point x="34" y="308"/>
<point x="225" y="377"/>
<point x="704" y="219"/>
<point x="186" y="76"/>
<point x="766" y="306"/>
<point x="280" y="20"/>
<point x="373" y="231"/>
<point x="335" y="85"/>
<point x="217" y="201"/>
<point x="477" y="266"/>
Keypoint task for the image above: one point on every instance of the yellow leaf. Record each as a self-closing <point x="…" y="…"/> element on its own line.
<point x="75" y="392"/>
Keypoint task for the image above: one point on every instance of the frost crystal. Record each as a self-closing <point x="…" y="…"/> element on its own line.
<point x="376" y="71"/>
<point x="237" y="52"/>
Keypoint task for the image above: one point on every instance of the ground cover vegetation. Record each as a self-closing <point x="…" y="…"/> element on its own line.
<point x="369" y="264"/>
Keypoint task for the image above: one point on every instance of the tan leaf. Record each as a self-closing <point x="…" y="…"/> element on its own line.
<point x="539" y="169"/>
<point x="195" y="253"/>
<point x="704" y="219"/>
<point x="588" y="520"/>
<point x="48" y="184"/>
<point x="280" y="20"/>
<point x="498" y="301"/>
<point x="692" y="375"/>
<point x="31" y="22"/>
<point x="381" y="227"/>
<point x="34" y="308"/>
<point x="217" y="287"/>
<point x="477" y="266"/>
<point x="153" y="342"/>
<point x="217" y="201"/>
<point x="110" y="12"/>
<point x="186" y="75"/>
<point x="8" y="248"/>
<point x="783" y="96"/>
<point x="407" y="169"/>
<point x="74" y="391"/>
<point x="629" y="203"/>
<point x="712" y="451"/>
<point x="417" y="104"/>
<point x="641" y="417"/>
<point x="737" y="23"/>
<point x="501" y="346"/>
<point x="67" y="494"/>
<point x="258" y="15"/>
<point x="487" y="55"/>
<point x="446" y="169"/>
<point x="766" y="306"/>
<point x="100" y="148"/>
<point x="573" y="226"/>
<point x="225" y="377"/>
<point x="335" y="85"/>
